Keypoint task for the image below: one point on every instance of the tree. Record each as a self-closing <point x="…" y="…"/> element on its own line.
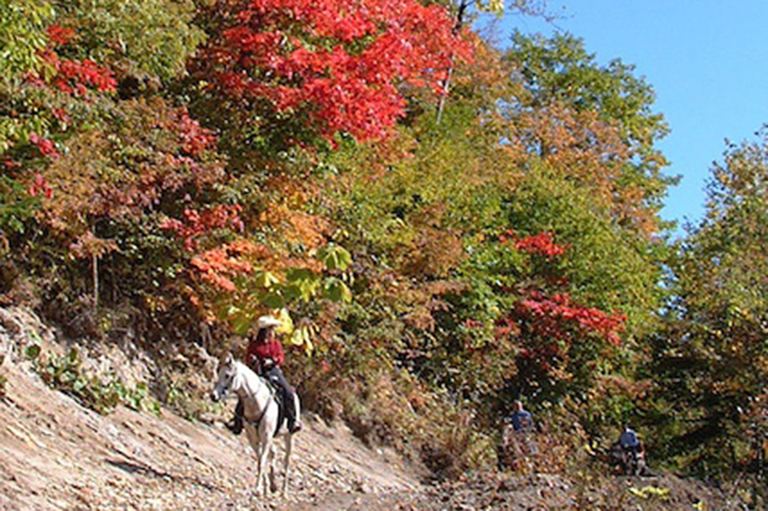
<point x="22" y="35"/>
<point x="339" y="64"/>
<point x="712" y="360"/>
<point x="146" y="41"/>
<point x="590" y="112"/>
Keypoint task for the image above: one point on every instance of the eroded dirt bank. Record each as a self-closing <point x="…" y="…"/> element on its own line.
<point x="57" y="454"/>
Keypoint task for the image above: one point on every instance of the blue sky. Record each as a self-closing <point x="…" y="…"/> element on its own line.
<point x="706" y="60"/>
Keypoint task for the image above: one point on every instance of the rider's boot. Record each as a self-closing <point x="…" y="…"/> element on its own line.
<point x="236" y="424"/>
<point x="295" y="426"/>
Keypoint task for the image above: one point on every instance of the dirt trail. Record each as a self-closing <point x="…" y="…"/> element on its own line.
<point x="55" y="454"/>
<point x="58" y="455"/>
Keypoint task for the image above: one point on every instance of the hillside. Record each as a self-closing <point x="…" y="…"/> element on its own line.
<point x="57" y="454"/>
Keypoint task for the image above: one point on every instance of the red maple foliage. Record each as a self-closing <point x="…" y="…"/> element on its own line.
<point x="59" y="35"/>
<point x="194" y="138"/>
<point x="558" y="317"/>
<point x="547" y="326"/>
<point x="39" y="186"/>
<point x="217" y="266"/>
<point x="75" y="76"/>
<point x="44" y="145"/>
<point x="197" y="223"/>
<point x="60" y="115"/>
<point x="220" y="265"/>
<point x="542" y="244"/>
<point x="340" y="60"/>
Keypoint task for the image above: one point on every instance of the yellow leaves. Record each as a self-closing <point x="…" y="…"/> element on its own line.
<point x="303" y="335"/>
<point x="286" y="322"/>
<point x="647" y="492"/>
<point x="300" y="335"/>
<point x="265" y="279"/>
<point x="494" y="6"/>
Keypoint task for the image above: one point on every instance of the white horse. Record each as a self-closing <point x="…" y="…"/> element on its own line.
<point x="260" y="418"/>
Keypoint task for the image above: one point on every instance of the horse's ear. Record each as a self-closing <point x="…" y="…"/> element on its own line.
<point x="229" y="359"/>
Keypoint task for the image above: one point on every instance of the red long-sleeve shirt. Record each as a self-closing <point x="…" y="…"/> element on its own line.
<point x="263" y="350"/>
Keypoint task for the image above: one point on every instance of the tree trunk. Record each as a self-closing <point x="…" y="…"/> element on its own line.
<point x="95" y="261"/>
<point x="447" y="82"/>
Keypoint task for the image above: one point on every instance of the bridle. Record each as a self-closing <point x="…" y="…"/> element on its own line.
<point x="226" y="387"/>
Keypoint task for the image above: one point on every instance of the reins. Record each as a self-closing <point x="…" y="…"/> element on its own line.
<point x="257" y="422"/>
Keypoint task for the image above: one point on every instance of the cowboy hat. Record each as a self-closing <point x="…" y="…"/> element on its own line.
<point x="267" y="322"/>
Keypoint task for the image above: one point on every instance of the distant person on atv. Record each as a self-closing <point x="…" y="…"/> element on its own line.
<point x="628" y="440"/>
<point x="521" y="419"/>
<point x="265" y="356"/>
<point x="632" y="455"/>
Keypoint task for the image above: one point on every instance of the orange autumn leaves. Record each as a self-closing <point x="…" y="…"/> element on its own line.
<point x="586" y="149"/>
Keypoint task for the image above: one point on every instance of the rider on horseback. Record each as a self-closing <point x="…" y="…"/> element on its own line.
<point x="265" y="356"/>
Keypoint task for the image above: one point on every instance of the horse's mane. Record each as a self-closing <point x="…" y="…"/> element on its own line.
<point x="243" y="368"/>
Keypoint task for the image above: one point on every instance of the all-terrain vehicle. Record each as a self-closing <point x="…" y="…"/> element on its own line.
<point x="630" y="462"/>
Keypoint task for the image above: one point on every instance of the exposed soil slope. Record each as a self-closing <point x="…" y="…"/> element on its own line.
<point x="57" y="454"/>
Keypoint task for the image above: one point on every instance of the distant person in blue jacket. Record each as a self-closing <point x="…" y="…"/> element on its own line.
<point x="521" y="419"/>
<point x="632" y="452"/>
<point x="628" y="439"/>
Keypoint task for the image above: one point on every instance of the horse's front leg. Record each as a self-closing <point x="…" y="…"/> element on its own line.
<point x="259" y="448"/>
<point x="266" y="447"/>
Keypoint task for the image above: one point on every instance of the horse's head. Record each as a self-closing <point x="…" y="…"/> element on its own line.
<point x="225" y="377"/>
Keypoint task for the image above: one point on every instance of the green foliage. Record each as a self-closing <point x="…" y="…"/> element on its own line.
<point x="22" y="35"/>
<point x="606" y="265"/>
<point x="712" y="359"/>
<point x="66" y="373"/>
<point x="396" y="264"/>
<point x="16" y="206"/>
<point x="147" y="39"/>
<point x="559" y="71"/>
<point x="335" y="257"/>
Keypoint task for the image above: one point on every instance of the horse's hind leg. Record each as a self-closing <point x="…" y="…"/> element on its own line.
<point x="272" y="481"/>
<point x="287" y="462"/>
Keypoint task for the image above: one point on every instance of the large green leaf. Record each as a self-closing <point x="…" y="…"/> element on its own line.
<point x="335" y="257"/>
<point x="337" y="290"/>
